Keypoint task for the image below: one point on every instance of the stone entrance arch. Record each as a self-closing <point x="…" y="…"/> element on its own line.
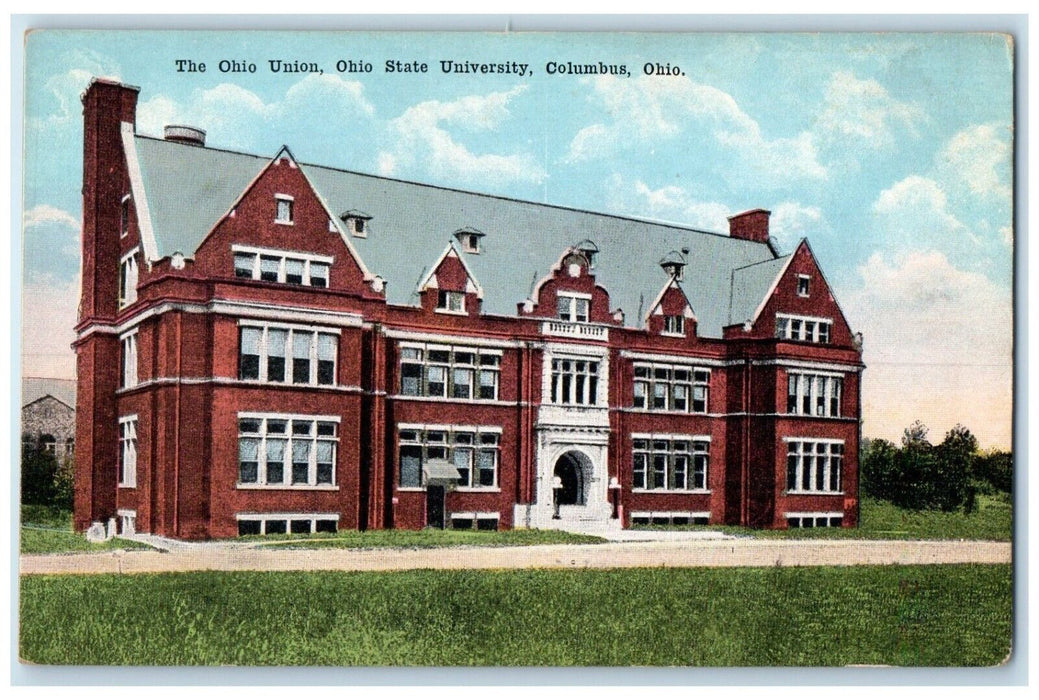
<point x="574" y="471"/>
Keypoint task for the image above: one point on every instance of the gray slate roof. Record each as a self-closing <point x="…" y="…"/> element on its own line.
<point x="750" y="284"/>
<point x="35" y="388"/>
<point x="189" y="188"/>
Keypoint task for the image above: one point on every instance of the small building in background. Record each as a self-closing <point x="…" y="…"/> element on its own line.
<point x="49" y="415"/>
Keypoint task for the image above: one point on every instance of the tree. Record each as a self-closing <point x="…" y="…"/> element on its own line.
<point x="955" y="465"/>
<point x="878" y="476"/>
<point x="995" y="469"/>
<point x="39" y="470"/>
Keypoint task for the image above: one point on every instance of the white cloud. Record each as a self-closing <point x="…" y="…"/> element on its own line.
<point x="67" y="87"/>
<point x="789" y="223"/>
<point x="669" y="203"/>
<point x="50" y="308"/>
<point x="51" y="238"/>
<point x="863" y="111"/>
<point x="648" y="110"/>
<point x="938" y="343"/>
<point x="422" y="142"/>
<point x="46" y="214"/>
<point x="235" y="116"/>
<point x="979" y="158"/>
<point x="913" y="214"/>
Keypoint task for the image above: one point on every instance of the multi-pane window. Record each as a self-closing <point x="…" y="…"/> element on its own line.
<point x="815" y="519"/>
<point x="812" y="330"/>
<point x="449" y="372"/>
<point x="286" y="450"/>
<point x="283" y="523"/>
<point x="128" y="452"/>
<point x="287" y="355"/>
<point x="675" y="463"/>
<point x="277" y="266"/>
<point x="674" y="325"/>
<point x="472" y="451"/>
<point x="814" y="394"/>
<point x="451" y="301"/>
<point x="671" y="388"/>
<point x="130" y="360"/>
<point x="571" y="307"/>
<point x="575" y="382"/>
<point x="283" y="214"/>
<point x="814" y="466"/>
<point x="128" y="279"/>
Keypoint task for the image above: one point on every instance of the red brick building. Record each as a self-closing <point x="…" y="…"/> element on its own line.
<point x="269" y="346"/>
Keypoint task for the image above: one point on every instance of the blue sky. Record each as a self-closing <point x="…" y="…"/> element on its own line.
<point x="891" y="152"/>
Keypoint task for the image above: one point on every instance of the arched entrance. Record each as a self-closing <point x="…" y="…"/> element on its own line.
<point x="571" y="468"/>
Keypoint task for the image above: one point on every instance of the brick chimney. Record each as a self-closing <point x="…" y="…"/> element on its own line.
<point x="106" y="106"/>
<point x="750" y="225"/>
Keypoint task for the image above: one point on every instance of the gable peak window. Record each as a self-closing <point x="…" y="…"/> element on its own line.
<point x="450" y="301"/>
<point x="674" y="325"/>
<point x="803" y="285"/>
<point x="573" y="307"/>
<point x="283" y="213"/>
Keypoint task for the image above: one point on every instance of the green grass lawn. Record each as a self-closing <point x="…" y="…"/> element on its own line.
<point x="370" y="539"/>
<point x="47" y="530"/>
<point x="828" y="616"/>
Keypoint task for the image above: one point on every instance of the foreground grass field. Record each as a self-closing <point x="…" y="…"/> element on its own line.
<point x="906" y="616"/>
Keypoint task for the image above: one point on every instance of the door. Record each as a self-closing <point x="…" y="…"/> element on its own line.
<point x="435" y="506"/>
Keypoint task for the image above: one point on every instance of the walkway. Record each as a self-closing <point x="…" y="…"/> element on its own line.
<point x="713" y="553"/>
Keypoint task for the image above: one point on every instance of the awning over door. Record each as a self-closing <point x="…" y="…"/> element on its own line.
<point x="440" y="471"/>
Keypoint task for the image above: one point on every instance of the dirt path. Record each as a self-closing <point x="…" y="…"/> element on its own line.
<point x="741" y="552"/>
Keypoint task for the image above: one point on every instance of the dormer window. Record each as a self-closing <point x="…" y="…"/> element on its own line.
<point x="356" y="222"/>
<point x="674" y="264"/>
<point x="803" y="282"/>
<point x="573" y="307"/>
<point x="284" y="209"/>
<point x="451" y="302"/>
<point x="674" y="325"/>
<point x="470" y="239"/>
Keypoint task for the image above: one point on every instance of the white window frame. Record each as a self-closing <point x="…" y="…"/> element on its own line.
<point x="128" y="451"/>
<point x="450" y="301"/>
<point x="291" y="331"/>
<point x="573" y="393"/>
<point x="811" y="387"/>
<point x="808" y="463"/>
<point x="674" y="325"/>
<point x="699" y="379"/>
<point x="290" y="439"/>
<point x="810" y="329"/>
<point x="697" y="458"/>
<point x="815" y="517"/>
<point x="485" y="439"/>
<point x="669" y="516"/>
<point x="309" y="260"/>
<point x="573" y="306"/>
<point x="288" y="518"/>
<point x="129" y="276"/>
<point x="130" y="359"/>
<point x="476" y="517"/>
<point x="486" y="361"/>
<point x="290" y="201"/>
<point x="807" y="280"/>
